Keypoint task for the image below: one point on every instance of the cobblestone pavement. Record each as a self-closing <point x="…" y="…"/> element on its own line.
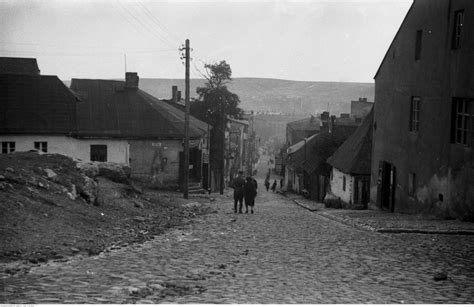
<point x="381" y="221"/>
<point x="281" y="254"/>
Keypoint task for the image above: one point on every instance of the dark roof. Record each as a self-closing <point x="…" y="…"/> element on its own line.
<point x="108" y="109"/>
<point x="35" y="104"/>
<point x="311" y="123"/>
<point x="354" y="156"/>
<point x="22" y="66"/>
<point x="312" y="156"/>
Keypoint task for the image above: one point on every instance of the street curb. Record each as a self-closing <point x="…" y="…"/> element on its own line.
<point x="385" y="230"/>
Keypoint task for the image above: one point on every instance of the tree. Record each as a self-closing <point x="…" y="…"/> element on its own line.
<point x="214" y="96"/>
<point x="214" y="105"/>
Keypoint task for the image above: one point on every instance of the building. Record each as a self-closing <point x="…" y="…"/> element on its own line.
<point x="422" y="157"/>
<point x="360" y="108"/>
<point x="236" y="147"/>
<point x="19" y="66"/>
<point x="298" y="130"/>
<point x="149" y="132"/>
<point x="38" y="112"/>
<point x="306" y="169"/>
<point x="350" y="174"/>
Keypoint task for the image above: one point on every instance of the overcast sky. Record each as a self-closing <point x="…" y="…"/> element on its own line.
<point x="330" y="40"/>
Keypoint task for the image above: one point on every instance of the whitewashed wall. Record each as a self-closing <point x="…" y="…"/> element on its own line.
<point x="118" y="151"/>
<point x="337" y="184"/>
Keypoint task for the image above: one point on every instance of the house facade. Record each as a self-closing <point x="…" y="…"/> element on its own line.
<point x="351" y="167"/>
<point x="422" y="158"/>
<point x="153" y="129"/>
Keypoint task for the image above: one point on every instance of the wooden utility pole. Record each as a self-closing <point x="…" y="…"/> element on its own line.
<point x="186" y="126"/>
<point x="222" y="167"/>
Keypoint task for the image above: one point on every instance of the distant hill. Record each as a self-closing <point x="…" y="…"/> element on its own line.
<point x="275" y="95"/>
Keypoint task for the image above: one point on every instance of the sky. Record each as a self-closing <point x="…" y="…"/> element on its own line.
<point x="312" y="40"/>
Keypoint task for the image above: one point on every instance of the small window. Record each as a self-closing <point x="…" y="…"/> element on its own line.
<point x="457" y="29"/>
<point x="344" y="183"/>
<point x="419" y="36"/>
<point x="411" y="183"/>
<point x="461" y="121"/>
<point x="42" y="146"/>
<point x="415" y="114"/>
<point x="99" y="153"/>
<point x="8" y="147"/>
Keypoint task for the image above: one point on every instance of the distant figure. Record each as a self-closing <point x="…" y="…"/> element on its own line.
<point x="274" y="185"/>
<point x="250" y="192"/>
<point x="267" y="183"/>
<point x="239" y="183"/>
<point x="281" y="183"/>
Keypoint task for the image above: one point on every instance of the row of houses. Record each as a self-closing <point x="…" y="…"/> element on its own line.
<point x="413" y="151"/>
<point x="100" y="120"/>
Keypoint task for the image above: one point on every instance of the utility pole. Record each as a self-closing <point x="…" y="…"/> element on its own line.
<point x="186" y="126"/>
<point x="221" y="190"/>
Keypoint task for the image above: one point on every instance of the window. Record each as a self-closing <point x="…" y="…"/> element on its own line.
<point x="411" y="183"/>
<point x="419" y="35"/>
<point x="99" y="153"/>
<point x="344" y="183"/>
<point x="42" y="146"/>
<point x="457" y="29"/>
<point x="415" y="114"/>
<point x="461" y="121"/>
<point x="8" y="147"/>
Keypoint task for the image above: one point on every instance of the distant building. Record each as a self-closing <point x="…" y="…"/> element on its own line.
<point x="297" y="131"/>
<point x="360" y="108"/>
<point x="424" y="108"/>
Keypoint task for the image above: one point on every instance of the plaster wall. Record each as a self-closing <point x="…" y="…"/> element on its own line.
<point x="117" y="150"/>
<point x="337" y="186"/>
<point x="440" y="74"/>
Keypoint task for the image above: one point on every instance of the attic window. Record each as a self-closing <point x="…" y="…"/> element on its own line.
<point x="8" y="147"/>
<point x="457" y="29"/>
<point x="419" y="36"/>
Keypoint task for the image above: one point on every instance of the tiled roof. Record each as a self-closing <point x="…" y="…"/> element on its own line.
<point x="108" y="109"/>
<point x="35" y="104"/>
<point x="312" y="156"/>
<point x="354" y="156"/>
<point x="22" y="66"/>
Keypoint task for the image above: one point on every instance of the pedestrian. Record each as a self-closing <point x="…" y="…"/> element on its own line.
<point x="239" y="183"/>
<point x="267" y="183"/>
<point x="281" y="183"/>
<point x="274" y="185"/>
<point x="250" y="192"/>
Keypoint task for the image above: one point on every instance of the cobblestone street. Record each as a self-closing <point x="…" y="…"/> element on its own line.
<point x="281" y="254"/>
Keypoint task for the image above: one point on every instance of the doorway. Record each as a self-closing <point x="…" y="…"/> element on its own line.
<point x="386" y="184"/>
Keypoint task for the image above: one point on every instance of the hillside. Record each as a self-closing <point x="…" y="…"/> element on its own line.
<point x="285" y="96"/>
<point x="258" y="94"/>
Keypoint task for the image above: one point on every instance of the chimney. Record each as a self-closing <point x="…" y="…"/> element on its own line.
<point x="363" y="99"/>
<point x="331" y="124"/>
<point x="131" y="80"/>
<point x="174" y="92"/>
<point x="179" y="95"/>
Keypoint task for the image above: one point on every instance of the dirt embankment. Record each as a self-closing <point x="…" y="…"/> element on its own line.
<point x="50" y="209"/>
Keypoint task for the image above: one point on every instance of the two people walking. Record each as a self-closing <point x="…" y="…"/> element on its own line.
<point x="244" y="190"/>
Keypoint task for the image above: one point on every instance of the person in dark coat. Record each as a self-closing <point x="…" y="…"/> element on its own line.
<point x="239" y="183"/>
<point x="267" y="183"/>
<point x="274" y="185"/>
<point x="250" y="192"/>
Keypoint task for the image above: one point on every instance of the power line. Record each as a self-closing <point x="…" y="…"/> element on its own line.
<point x="143" y="25"/>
